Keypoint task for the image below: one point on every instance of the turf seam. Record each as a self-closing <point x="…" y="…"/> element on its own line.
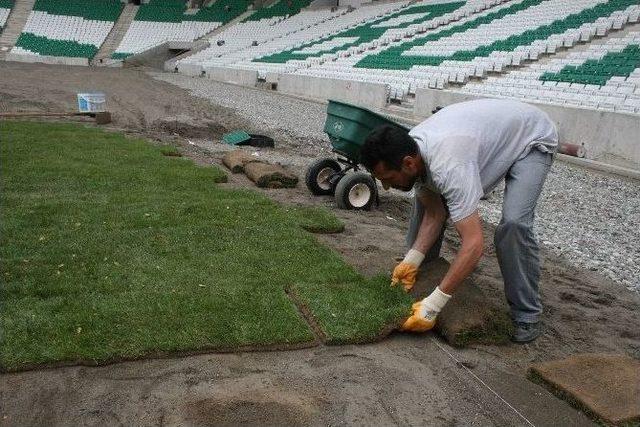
<point x="320" y="337"/>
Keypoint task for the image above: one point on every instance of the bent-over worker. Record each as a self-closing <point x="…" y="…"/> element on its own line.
<point x="451" y="160"/>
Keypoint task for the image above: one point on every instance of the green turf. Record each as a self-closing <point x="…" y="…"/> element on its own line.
<point x="355" y="312"/>
<point x="110" y="249"/>
<point x="317" y="220"/>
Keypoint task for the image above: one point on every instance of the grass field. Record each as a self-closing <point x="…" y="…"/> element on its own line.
<point x="110" y="250"/>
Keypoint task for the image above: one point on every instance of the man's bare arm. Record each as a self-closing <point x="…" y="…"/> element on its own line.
<point x="470" y="230"/>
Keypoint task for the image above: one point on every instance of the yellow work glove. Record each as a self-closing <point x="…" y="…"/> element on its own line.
<point x="407" y="271"/>
<point x="425" y="312"/>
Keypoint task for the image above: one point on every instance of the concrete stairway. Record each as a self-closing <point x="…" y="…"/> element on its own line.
<point x="226" y="26"/>
<point x="115" y="35"/>
<point x="14" y="25"/>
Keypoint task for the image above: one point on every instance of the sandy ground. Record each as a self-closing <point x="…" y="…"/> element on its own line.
<point x="404" y="380"/>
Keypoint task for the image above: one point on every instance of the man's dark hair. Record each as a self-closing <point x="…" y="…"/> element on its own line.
<point x="388" y="144"/>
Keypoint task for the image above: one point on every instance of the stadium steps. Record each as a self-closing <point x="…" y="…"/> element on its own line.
<point x="116" y="35"/>
<point x="280" y="8"/>
<point x="203" y="42"/>
<point x="227" y="25"/>
<point x="14" y="25"/>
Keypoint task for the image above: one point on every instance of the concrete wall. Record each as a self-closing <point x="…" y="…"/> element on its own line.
<point x="354" y="3"/>
<point x="232" y="75"/>
<point x="157" y="56"/>
<point x="191" y="70"/>
<point x="112" y="63"/>
<point x="58" y="60"/>
<point x="319" y="4"/>
<point x="273" y="77"/>
<point x="372" y="95"/>
<point x="186" y="69"/>
<point x="605" y="135"/>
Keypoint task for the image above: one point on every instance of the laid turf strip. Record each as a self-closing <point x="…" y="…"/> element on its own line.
<point x="110" y="250"/>
<point x="355" y="314"/>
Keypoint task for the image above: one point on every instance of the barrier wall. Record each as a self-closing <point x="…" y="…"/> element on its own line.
<point x="374" y="95"/>
<point x="232" y="75"/>
<point x="318" y="4"/>
<point x="354" y="3"/>
<point x="186" y="69"/>
<point x="605" y="135"/>
<point x="57" y="60"/>
<point x="156" y="56"/>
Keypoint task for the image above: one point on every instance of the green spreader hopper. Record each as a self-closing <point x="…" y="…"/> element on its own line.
<point x="347" y="127"/>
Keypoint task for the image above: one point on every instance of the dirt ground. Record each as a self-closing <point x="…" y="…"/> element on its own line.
<point x="404" y="380"/>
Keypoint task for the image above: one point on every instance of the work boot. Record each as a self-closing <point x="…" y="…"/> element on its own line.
<point x="526" y="332"/>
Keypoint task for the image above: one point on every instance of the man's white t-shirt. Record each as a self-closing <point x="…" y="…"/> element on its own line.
<point x="468" y="148"/>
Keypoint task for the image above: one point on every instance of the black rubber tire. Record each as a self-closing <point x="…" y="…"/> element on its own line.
<point x="357" y="185"/>
<point x="314" y="170"/>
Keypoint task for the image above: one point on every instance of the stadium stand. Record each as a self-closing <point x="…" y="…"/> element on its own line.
<point x="605" y="76"/>
<point x="391" y="27"/>
<point x="5" y="9"/>
<point x="160" y="21"/>
<point x="70" y="28"/>
<point x="333" y="54"/>
<point x="368" y="29"/>
<point x="501" y="36"/>
<point x="242" y="59"/>
<point x="254" y="32"/>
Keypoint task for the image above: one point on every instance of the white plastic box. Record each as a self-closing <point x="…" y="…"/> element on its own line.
<point x="94" y="102"/>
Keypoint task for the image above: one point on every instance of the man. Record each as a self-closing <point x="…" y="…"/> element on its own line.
<point x="451" y="160"/>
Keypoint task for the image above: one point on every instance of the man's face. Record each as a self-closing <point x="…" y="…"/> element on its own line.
<point x="402" y="179"/>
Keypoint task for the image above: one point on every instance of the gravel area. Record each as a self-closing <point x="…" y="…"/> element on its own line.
<point x="265" y="109"/>
<point x="587" y="217"/>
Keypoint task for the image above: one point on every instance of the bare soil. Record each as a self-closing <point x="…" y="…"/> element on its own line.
<point x="404" y="380"/>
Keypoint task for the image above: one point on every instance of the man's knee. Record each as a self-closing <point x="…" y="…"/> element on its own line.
<point x="511" y="228"/>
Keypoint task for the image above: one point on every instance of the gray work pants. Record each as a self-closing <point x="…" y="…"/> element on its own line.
<point x="516" y="245"/>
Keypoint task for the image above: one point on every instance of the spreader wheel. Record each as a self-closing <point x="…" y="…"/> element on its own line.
<point x="318" y="176"/>
<point x="356" y="191"/>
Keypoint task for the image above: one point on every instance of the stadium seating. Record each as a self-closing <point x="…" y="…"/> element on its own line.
<point x="365" y="30"/>
<point x="341" y="21"/>
<point x="160" y="21"/>
<point x="252" y="33"/>
<point x="606" y="76"/>
<point x="73" y="28"/>
<point x="335" y="54"/>
<point x="5" y="8"/>
<point x="489" y="40"/>
<point x="391" y="26"/>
